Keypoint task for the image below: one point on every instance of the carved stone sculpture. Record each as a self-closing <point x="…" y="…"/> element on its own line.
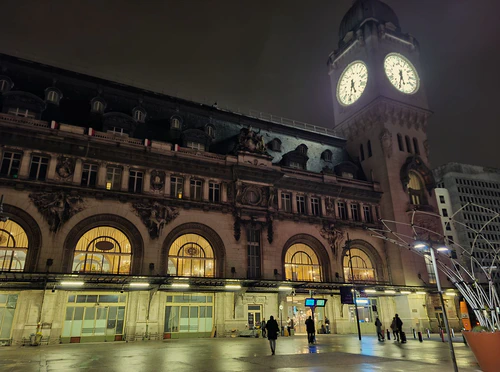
<point x="330" y="206"/>
<point x="155" y="215"/>
<point x="57" y="207"/>
<point x="157" y="180"/>
<point x="65" y="167"/>
<point x="334" y="236"/>
<point x="250" y="141"/>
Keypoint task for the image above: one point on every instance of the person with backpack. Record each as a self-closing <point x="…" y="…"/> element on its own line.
<point x="380" y="332"/>
<point x="272" y="329"/>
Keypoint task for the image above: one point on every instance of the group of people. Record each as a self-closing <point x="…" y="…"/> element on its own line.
<point x="396" y="327"/>
<point x="270" y="329"/>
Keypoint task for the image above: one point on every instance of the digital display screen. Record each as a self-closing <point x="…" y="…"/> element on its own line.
<point x="320" y="302"/>
<point x="310" y="302"/>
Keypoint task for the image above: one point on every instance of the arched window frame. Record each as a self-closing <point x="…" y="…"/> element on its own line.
<point x="417" y="195"/>
<point x="416" y="148"/>
<point x="98" y="105"/>
<point x="327" y="155"/>
<point x="210" y="130"/>
<point x="206" y="262"/>
<point x="176" y="122"/>
<point x="363" y="273"/>
<point x="139" y="114"/>
<point x="408" y="144"/>
<point x="296" y="270"/>
<point x="14" y="245"/>
<point x="400" y="142"/>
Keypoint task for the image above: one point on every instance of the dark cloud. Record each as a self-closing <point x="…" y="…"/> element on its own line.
<point x="271" y="56"/>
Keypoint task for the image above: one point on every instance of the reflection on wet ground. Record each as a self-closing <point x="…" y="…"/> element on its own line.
<point x="331" y="353"/>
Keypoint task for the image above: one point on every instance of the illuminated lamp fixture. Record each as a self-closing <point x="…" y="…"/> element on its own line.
<point x="419" y="245"/>
<point x="139" y="284"/>
<point x="370" y="291"/>
<point x="389" y="291"/>
<point x="442" y="249"/>
<point x="233" y="286"/>
<point x="405" y="292"/>
<point x="284" y="288"/>
<point x="180" y="285"/>
<point x="420" y="293"/>
<point x="72" y="284"/>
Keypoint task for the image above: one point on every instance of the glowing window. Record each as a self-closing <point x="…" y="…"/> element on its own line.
<point x="191" y="255"/>
<point x="415" y="189"/>
<point x="301" y="263"/>
<point x="362" y="266"/>
<point x="13" y="246"/>
<point x="103" y="250"/>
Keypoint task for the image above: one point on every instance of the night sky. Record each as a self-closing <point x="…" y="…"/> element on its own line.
<point x="271" y="56"/>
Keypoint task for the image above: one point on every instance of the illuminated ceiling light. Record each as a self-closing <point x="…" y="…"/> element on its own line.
<point x="233" y="286"/>
<point x="420" y="293"/>
<point x="405" y="292"/>
<point x="389" y="291"/>
<point x="419" y="245"/>
<point x="180" y="285"/>
<point x="139" y="284"/>
<point x="450" y="294"/>
<point x="442" y="249"/>
<point x="370" y="291"/>
<point x="361" y="301"/>
<point x="284" y="288"/>
<point x="72" y="284"/>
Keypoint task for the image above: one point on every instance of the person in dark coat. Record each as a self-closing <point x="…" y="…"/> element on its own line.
<point x="272" y="333"/>
<point x="310" y="330"/>
<point x="263" y="327"/>
<point x="380" y="333"/>
<point x="399" y="326"/>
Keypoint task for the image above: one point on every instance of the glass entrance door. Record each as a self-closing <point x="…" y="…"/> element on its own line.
<point x="7" y="308"/>
<point x="254" y="314"/>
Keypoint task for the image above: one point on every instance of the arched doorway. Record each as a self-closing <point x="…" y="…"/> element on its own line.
<point x="13" y="246"/>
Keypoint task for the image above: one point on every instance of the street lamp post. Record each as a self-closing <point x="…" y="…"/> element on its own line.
<point x="348" y="243"/>
<point x="438" y="283"/>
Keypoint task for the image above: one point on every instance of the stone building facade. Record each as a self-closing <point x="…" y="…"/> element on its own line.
<point x="128" y="214"/>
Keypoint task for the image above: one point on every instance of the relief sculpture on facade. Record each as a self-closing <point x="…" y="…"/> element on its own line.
<point x="386" y="141"/>
<point x="334" y="236"/>
<point x="157" y="180"/>
<point x="250" y="141"/>
<point x="65" y="167"/>
<point x="330" y="206"/>
<point x="57" y="207"/>
<point x="155" y="215"/>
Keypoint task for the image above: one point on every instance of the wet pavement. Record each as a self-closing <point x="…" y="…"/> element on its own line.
<point x="331" y="353"/>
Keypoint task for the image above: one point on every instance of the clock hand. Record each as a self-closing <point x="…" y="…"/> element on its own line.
<point x="401" y="80"/>
<point x="352" y="86"/>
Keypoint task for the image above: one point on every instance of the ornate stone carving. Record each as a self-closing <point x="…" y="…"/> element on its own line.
<point x="386" y="141"/>
<point x="155" y="215"/>
<point x="426" y="148"/>
<point x="157" y="180"/>
<point x="270" y="231"/>
<point x="57" y="207"/>
<point x="65" y="167"/>
<point x="250" y="141"/>
<point x="334" y="236"/>
<point x="253" y="195"/>
<point x="330" y="206"/>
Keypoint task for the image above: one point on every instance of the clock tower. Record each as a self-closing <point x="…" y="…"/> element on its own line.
<point x="381" y="108"/>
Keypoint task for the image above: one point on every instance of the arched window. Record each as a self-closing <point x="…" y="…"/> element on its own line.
<point x="210" y="130"/>
<point x="362" y="266"/>
<point x="139" y="115"/>
<point x="302" y="149"/>
<point x="400" y="142"/>
<point x="361" y="152"/>
<point x="415" y="146"/>
<point x="103" y="250"/>
<point x="369" y="146"/>
<point x="13" y="246"/>
<point x="327" y="155"/>
<point x="275" y="144"/>
<point x="175" y="123"/>
<point x="301" y="263"/>
<point x="408" y="144"/>
<point x="415" y="189"/>
<point x="98" y="105"/>
<point x="191" y="255"/>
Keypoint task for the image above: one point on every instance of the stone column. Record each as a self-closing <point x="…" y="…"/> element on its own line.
<point x="51" y="171"/>
<point x="77" y="175"/>
<point x="362" y="212"/>
<point x="322" y="207"/>
<point x="223" y="192"/>
<point x="187" y="187"/>
<point x="147" y="181"/>
<point x="167" y="184"/>
<point x="294" y="202"/>
<point x="125" y="177"/>
<point x="25" y="164"/>
<point x="101" y="175"/>
<point x="279" y="200"/>
<point x="204" y="195"/>
<point x="348" y="207"/>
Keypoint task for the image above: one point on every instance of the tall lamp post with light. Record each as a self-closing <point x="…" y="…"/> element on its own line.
<point x="440" y="248"/>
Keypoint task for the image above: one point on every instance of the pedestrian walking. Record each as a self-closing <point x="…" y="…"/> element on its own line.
<point x="399" y="327"/>
<point x="263" y="327"/>
<point x="272" y="333"/>
<point x="380" y="332"/>
<point x="310" y="330"/>
<point x="288" y="326"/>
<point x="327" y="323"/>
<point x="394" y="329"/>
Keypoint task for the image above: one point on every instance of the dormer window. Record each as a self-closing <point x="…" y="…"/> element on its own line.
<point x="195" y="145"/>
<point x="175" y="123"/>
<point x="210" y="130"/>
<point x="275" y="145"/>
<point x="98" y="105"/>
<point x="139" y="115"/>
<point x="296" y="165"/>
<point x="53" y="95"/>
<point x="5" y="84"/>
<point x="326" y="155"/>
<point x="302" y="149"/>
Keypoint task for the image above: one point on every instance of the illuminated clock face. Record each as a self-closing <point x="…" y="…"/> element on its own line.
<point x="401" y="73"/>
<point x="352" y="83"/>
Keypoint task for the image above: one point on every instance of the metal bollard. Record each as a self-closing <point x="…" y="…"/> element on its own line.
<point x="452" y="333"/>
<point x="428" y="333"/>
<point x="420" y="336"/>
<point x="388" y="335"/>
<point x="442" y="334"/>
<point x="414" y="333"/>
